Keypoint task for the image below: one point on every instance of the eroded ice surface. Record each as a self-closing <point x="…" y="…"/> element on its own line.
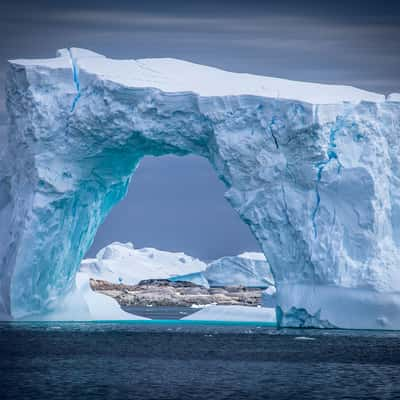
<point x="312" y="169"/>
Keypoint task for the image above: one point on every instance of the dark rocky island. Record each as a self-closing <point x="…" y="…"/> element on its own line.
<point x="163" y="292"/>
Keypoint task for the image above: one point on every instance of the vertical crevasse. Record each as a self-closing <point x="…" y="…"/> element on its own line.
<point x="332" y="155"/>
<point x="75" y="76"/>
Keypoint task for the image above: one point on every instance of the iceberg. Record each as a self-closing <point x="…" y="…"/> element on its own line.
<point x="198" y="278"/>
<point x="119" y="263"/>
<point x="312" y="169"/>
<point x="84" y="304"/>
<point x="234" y="313"/>
<point x="122" y="263"/>
<point x="248" y="269"/>
<point x="251" y="270"/>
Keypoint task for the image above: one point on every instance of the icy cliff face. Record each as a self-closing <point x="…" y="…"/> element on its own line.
<point x="84" y="304"/>
<point x="312" y="169"/>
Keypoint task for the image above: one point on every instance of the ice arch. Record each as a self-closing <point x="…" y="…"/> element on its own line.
<point x="312" y="169"/>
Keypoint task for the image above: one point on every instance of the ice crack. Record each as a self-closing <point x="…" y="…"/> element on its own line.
<point x="332" y="155"/>
<point x="75" y="75"/>
<point x="271" y="125"/>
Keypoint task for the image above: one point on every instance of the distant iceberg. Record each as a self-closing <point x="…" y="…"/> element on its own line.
<point x="122" y="263"/>
<point x="247" y="269"/>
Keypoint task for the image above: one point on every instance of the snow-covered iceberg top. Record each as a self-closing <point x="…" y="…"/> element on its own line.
<point x="173" y="75"/>
<point x="122" y="263"/>
<point x="394" y="97"/>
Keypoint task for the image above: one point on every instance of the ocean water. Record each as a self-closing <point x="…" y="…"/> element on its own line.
<point x="160" y="312"/>
<point x="191" y="360"/>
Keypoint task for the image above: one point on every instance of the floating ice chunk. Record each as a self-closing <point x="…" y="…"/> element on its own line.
<point x="234" y="313"/>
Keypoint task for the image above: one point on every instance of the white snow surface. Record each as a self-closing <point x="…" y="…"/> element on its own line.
<point x="122" y="263"/>
<point x="234" y="313"/>
<point x="394" y="97"/>
<point x="313" y="170"/>
<point x="253" y="255"/>
<point x="173" y="75"/>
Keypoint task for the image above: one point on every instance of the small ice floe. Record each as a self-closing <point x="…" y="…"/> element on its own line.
<point x="202" y="305"/>
<point x="303" y="338"/>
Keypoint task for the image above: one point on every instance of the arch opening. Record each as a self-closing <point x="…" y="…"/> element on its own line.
<point x="176" y="204"/>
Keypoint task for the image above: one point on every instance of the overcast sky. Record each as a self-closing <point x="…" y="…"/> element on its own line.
<point x="177" y="203"/>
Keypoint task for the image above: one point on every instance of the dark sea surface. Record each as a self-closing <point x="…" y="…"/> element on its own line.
<point x="187" y="360"/>
<point x="160" y="312"/>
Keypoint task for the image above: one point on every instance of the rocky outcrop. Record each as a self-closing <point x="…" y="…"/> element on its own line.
<point x="162" y="292"/>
